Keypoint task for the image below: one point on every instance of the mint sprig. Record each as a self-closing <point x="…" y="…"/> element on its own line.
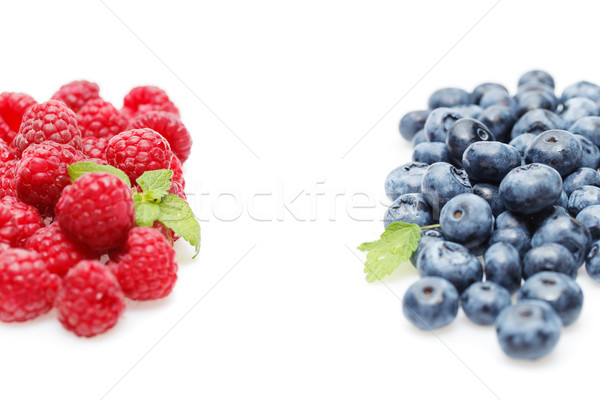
<point x="83" y="167"/>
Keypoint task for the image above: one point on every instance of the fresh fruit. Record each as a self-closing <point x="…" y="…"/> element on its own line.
<point x="467" y="219"/>
<point x="405" y="179"/>
<point x="430" y="303"/>
<point x="463" y="133"/>
<point x="27" y="219"/>
<point x="503" y="266"/>
<point x="410" y="208"/>
<point x="12" y="108"/>
<point x="75" y="94"/>
<point x="170" y="127"/>
<point x="549" y="257"/>
<point x="483" y="301"/>
<point x="142" y="99"/>
<point x="98" y="118"/>
<point x="412" y="122"/>
<point x="530" y="188"/>
<point x="441" y="182"/>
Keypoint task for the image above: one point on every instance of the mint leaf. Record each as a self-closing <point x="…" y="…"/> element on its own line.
<point x="83" y="167"/>
<point x="155" y="184"/>
<point x="177" y="215"/>
<point x="397" y="243"/>
<point x="146" y="214"/>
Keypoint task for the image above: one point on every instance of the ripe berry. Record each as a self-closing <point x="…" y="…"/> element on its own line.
<point x="97" y="209"/>
<point x="7" y="179"/>
<point x="27" y="219"/>
<point x="142" y="99"/>
<point x="75" y="94"/>
<point x="100" y="119"/>
<point x="137" y="151"/>
<point x="90" y="300"/>
<point x="177" y="177"/>
<point x="170" y="127"/>
<point x="27" y="288"/>
<point x="12" y="108"/>
<point x="430" y="303"/>
<point x="8" y="228"/>
<point x="94" y="147"/>
<point x="146" y="266"/>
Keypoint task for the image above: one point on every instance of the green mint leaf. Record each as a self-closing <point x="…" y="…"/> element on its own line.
<point x="155" y="184"/>
<point x="83" y="167"/>
<point x="146" y="214"/>
<point x="177" y="215"/>
<point x="397" y="243"/>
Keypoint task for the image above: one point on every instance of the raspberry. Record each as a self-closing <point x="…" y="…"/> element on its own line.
<point x="27" y="288"/>
<point x="99" y="118"/>
<point x="49" y="121"/>
<point x="6" y="153"/>
<point x="42" y="174"/>
<point x="90" y="300"/>
<point x="177" y="189"/>
<point x="146" y="267"/>
<point x="59" y="251"/>
<point x="94" y="147"/>
<point x="97" y="209"/>
<point x="138" y="150"/>
<point x="12" y="108"/>
<point x="8" y="227"/>
<point x="142" y="99"/>
<point x="27" y="218"/>
<point x="170" y="126"/>
<point x="7" y="179"/>
<point x="77" y="93"/>
<point x="175" y="166"/>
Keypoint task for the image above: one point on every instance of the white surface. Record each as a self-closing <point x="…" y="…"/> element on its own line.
<point x="300" y="83"/>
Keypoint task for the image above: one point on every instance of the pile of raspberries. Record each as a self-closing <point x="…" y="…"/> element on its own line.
<point x="75" y="246"/>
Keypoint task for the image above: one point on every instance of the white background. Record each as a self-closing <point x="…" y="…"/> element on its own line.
<point x="313" y="90"/>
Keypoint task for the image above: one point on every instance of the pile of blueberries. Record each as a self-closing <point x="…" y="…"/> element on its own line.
<point x="513" y="181"/>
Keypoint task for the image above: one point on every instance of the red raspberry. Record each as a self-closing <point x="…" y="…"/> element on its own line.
<point x="175" y="166"/>
<point x="170" y="126"/>
<point x="142" y="99"/>
<point x="90" y="300"/>
<point x="99" y="118"/>
<point x="6" y="153"/>
<point x="97" y="209"/>
<point x="49" y="121"/>
<point x="138" y="150"/>
<point x="59" y="251"/>
<point x="27" y="218"/>
<point x="94" y="147"/>
<point x="12" y="108"/>
<point x="77" y="93"/>
<point x="177" y="189"/>
<point x="8" y="228"/>
<point x="146" y="267"/>
<point x="27" y="288"/>
<point x="7" y="179"/>
<point x="42" y="174"/>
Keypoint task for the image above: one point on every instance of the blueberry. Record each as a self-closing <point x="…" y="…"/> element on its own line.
<point x="582" y="198"/>
<point x="522" y="141"/>
<point x="499" y="120"/>
<point x="530" y="188"/>
<point x="590" y="154"/>
<point x="590" y="218"/>
<point x="449" y="97"/>
<point x="581" y="89"/>
<point x="516" y="237"/>
<point x="489" y="193"/>
<point x="556" y="289"/>
<point x="528" y="330"/>
<point x="430" y="153"/>
<point x="556" y="148"/>
<point x="406" y="178"/>
<point x="468" y="110"/>
<point x="533" y="100"/>
<point x="549" y="257"/>
<point x="567" y="231"/>
<point x="536" y="121"/>
<point x="503" y="266"/>
<point x="464" y="132"/>
<point x="419" y="138"/>
<point x="576" y="108"/>
<point x="410" y="208"/>
<point x="588" y="127"/>
<point x="483" y="301"/>
<point x="511" y="220"/>
<point x="441" y="182"/>
<point x="467" y="219"/>
<point x="538" y="219"/>
<point x="536" y="76"/>
<point x="428" y="236"/>
<point x="490" y="161"/>
<point x="592" y="262"/>
<point x="412" y="122"/>
<point x="438" y="122"/>
<point x="450" y="261"/>
<point x="496" y="97"/>
<point x="430" y="303"/>
<point x="579" y="178"/>
<point x="536" y="87"/>
<point x="481" y="89"/>
<point x="563" y="201"/>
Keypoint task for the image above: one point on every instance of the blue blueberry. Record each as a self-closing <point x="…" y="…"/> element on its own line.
<point x="521" y="142"/>
<point x="533" y="87"/>
<point x="463" y="133"/>
<point x="441" y="182"/>
<point x="410" y="208"/>
<point x="468" y="110"/>
<point x="482" y="302"/>
<point x="511" y="220"/>
<point x="495" y="97"/>
<point x="538" y="219"/>
<point x="584" y="197"/>
<point x="503" y="266"/>
<point x="516" y="237"/>
<point x="536" y="121"/>
<point x="499" y="120"/>
<point x="490" y="193"/>
<point x="430" y="303"/>
<point x="430" y="153"/>
<point x="530" y="188"/>
<point x="588" y="127"/>
<point x="428" y="236"/>
<point x="536" y="76"/>
<point x="528" y="330"/>
<point x="558" y="290"/>
<point x="590" y="218"/>
<point x="579" y="178"/>
<point x="581" y="89"/>
<point x="481" y="89"/>
<point x="590" y="154"/>
<point x="438" y="122"/>
<point x="419" y="138"/>
<point x="549" y="257"/>
<point x="406" y="178"/>
<point x="557" y="149"/>
<point x="449" y="97"/>
<point x="451" y="261"/>
<point x="576" y="108"/>
<point x="467" y="219"/>
<point x="412" y="122"/>
<point x="592" y="262"/>
<point x="567" y="231"/>
<point x="533" y="100"/>
<point x="490" y="161"/>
